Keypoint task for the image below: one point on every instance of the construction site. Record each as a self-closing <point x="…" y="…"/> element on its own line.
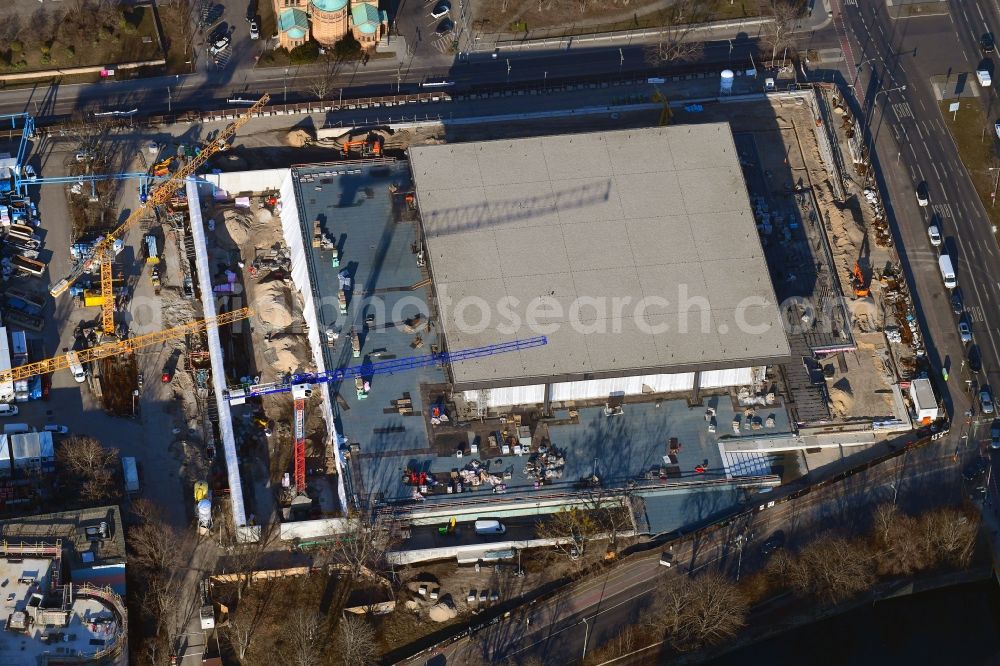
<point x="355" y="334"/>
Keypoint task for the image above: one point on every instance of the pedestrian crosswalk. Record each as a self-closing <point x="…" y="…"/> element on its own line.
<point x="975" y="314"/>
<point x="942" y="211"/>
<point x="443" y="44"/>
<point x="902" y="110"/>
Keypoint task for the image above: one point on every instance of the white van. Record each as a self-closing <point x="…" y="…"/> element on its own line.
<point x="76" y="367"/>
<point x="984" y="78"/>
<point x="490" y="527"/>
<point x="947" y="271"/>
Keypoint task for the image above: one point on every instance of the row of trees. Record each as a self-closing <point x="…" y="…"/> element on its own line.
<point x="690" y="613"/>
<point x="679" y="38"/>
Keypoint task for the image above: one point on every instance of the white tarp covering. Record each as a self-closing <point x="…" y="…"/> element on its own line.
<point x="236" y="182"/>
<point x="603" y="388"/>
<point x="512" y="395"/>
<point x="291" y="227"/>
<point x="711" y="379"/>
<point x="215" y="354"/>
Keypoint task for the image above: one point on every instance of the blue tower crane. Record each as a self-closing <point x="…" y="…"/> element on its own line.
<point x="237" y="395"/>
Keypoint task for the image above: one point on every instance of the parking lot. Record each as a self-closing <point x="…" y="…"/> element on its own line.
<point x="429" y="36"/>
<point x="156" y="434"/>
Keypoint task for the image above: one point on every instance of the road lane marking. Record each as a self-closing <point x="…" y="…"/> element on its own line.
<point x="936" y="172"/>
<point x="980" y="10"/>
<point x="920" y="132"/>
<point x="928" y="151"/>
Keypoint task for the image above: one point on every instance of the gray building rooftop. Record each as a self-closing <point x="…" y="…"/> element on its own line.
<point x="634" y="251"/>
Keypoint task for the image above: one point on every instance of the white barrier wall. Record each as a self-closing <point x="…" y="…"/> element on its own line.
<point x="215" y="354"/>
<point x="291" y="227"/>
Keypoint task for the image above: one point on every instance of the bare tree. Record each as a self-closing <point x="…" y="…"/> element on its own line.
<point x="308" y="636"/>
<point x="363" y="546"/>
<point x="783" y="14"/>
<point x="831" y="568"/>
<point x="246" y="619"/>
<point x="244" y="556"/>
<point x="951" y="534"/>
<point x="677" y="36"/>
<point x="696" y="612"/>
<point x="322" y="84"/>
<point x="355" y="642"/>
<point x="572" y="528"/>
<point x="92" y="464"/>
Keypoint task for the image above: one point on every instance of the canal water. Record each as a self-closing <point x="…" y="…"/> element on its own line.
<point x="955" y="625"/>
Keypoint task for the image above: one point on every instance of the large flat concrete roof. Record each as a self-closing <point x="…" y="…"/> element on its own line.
<point x="612" y="230"/>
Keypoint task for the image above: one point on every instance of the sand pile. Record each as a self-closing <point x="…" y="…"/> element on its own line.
<point x="272" y="305"/>
<point x="441" y="612"/>
<point x="287" y="353"/>
<point x="237" y="225"/>
<point x="298" y="138"/>
<point x="841" y="402"/>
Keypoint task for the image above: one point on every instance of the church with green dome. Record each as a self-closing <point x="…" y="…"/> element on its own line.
<point x="328" y="21"/>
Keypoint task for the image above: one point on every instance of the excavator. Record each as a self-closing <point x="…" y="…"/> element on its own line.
<point x="370" y="146"/>
<point x="859" y="281"/>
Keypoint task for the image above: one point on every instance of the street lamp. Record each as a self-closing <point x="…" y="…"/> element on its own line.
<point x="169" y="101"/>
<point x="857" y="69"/>
<point x="508" y="70"/>
<point x="871" y="133"/>
<point x="286" y="85"/>
<point x="996" y="182"/>
<point x="135" y="394"/>
<point x="621" y="61"/>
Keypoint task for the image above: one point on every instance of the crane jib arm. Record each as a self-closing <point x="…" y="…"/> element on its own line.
<point x="160" y="195"/>
<point x="238" y="394"/>
<point x="62" y="361"/>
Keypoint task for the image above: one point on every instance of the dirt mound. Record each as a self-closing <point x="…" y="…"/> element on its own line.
<point x="237" y="224"/>
<point x="841" y="401"/>
<point x="297" y="138"/>
<point x="272" y="305"/>
<point x="441" y="613"/>
<point x="287" y="353"/>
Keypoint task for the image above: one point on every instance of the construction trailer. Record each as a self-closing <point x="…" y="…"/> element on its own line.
<point x="925" y="404"/>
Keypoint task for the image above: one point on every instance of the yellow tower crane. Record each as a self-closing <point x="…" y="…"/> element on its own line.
<point x="64" y="361"/>
<point x="103" y="249"/>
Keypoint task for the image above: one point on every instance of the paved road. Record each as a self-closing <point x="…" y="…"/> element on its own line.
<point x="913" y="146"/>
<point x="596" y="610"/>
<point x="210" y="89"/>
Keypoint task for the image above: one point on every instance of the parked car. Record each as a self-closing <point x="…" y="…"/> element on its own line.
<point x="445" y="26"/>
<point x="220" y="45"/>
<point x="987" y="43"/>
<point x="667" y="559"/>
<point x="995" y="435"/>
<point x="975" y="469"/>
<point x="83" y="156"/>
<point x="29" y="172"/>
<point x="922" y="197"/>
<point x="8" y="410"/>
<point x="957" y="306"/>
<point x="935" y="235"/>
<point x="440" y="10"/>
<point x="996" y="128"/>
<point x="773" y="543"/>
<point x="254" y="30"/>
<point x="986" y="401"/>
<point x="984" y="78"/>
<point x="964" y="331"/>
<point x="975" y="359"/>
<point x="60" y="429"/>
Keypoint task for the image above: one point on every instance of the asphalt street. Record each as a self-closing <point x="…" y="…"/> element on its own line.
<point x="560" y="631"/>
<point x="914" y="146"/>
<point x="207" y="90"/>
